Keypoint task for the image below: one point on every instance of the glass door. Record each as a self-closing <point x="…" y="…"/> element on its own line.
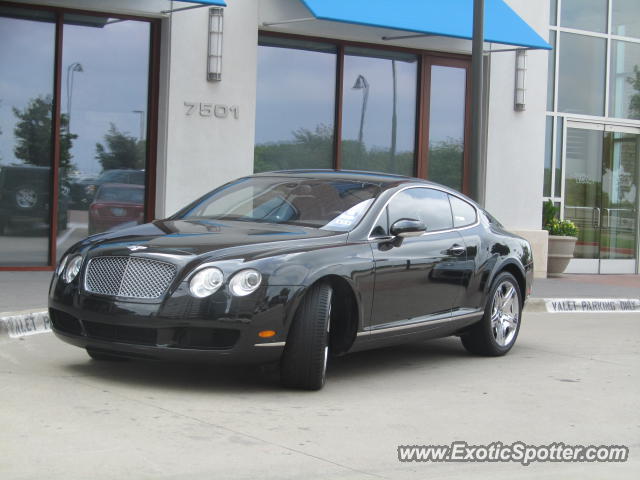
<point x="601" y="196"/>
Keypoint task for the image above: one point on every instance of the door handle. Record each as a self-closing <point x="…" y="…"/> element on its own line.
<point x="457" y="250"/>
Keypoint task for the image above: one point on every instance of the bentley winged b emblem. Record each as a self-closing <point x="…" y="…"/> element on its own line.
<point x="135" y="248"/>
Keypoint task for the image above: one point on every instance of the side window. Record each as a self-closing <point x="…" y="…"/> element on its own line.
<point x="463" y="213"/>
<point x="430" y="206"/>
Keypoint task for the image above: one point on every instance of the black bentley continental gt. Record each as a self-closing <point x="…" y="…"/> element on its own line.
<point x="294" y="267"/>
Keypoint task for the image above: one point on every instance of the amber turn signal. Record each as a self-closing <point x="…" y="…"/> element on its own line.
<point x="266" y="333"/>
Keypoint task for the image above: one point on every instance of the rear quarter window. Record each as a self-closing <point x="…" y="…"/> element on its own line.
<point x="463" y="213"/>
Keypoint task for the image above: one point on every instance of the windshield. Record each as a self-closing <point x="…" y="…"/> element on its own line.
<point x="329" y="204"/>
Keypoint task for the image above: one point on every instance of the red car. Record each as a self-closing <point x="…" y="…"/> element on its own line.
<point x="116" y="204"/>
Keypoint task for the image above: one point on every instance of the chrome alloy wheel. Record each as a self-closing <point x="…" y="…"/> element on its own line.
<point x="505" y="314"/>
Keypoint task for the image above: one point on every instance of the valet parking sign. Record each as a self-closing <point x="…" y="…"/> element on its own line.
<point x="592" y="305"/>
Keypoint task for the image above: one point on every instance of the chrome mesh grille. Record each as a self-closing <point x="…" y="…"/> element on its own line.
<point x="131" y="277"/>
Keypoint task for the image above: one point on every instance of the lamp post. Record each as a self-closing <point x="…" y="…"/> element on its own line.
<point x="141" y="113"/>
<point x="394" y="117"/>
<point x="362" y="84"/>
<point x="71" y="70"/>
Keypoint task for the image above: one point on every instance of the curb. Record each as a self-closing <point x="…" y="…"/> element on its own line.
<point x="23" y="323"/>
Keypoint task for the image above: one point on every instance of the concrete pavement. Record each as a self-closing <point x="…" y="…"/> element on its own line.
<point x="570" y="378"/>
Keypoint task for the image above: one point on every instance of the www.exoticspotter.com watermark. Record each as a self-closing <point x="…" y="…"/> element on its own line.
<point x="518" y="452"/>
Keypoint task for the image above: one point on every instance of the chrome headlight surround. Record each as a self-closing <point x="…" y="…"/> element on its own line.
<point x="245" y="282"/>
<point x="71" y="268"/>
<point x="206" y="282"/>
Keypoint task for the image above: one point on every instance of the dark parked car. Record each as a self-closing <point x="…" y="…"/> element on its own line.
<point x="294" y="267"/>
<point x="116" y="204"/>
<point x="25" y="196"/>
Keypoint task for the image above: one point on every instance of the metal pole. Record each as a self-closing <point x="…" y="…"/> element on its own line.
<point x="475" y="184"/>
<point x="394" y="118"/>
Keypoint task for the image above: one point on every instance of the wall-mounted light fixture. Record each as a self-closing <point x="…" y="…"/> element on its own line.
<point x="521" y="75"/>
<point x="214" y="50"/>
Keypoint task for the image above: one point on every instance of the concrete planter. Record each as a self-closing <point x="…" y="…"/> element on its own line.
<point x="560" y="253"/>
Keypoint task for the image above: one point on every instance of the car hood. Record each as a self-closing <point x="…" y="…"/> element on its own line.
<point x="215" y="237"/>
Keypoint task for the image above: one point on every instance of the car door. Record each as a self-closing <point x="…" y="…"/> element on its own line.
<point x="417" y="278"/>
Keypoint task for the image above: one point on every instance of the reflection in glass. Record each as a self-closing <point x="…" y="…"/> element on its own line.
<point x="105" y="79"/>
<point x="620" y="196"/>
<point x="295" y="105"/>
<point x="584" y="14"/>
<point x="624" y="100"/>
<point x="581" y="81"/>
<point x="26" y="104"/>
<point x="379" y="111"/>
<point x="625" y="18"/>
<point x="446" y="125"/>
<point x="548" y="152"/>
<point x="583" y="187"/>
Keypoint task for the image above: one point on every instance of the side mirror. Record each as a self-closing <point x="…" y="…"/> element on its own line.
<point x="408" y="227"/>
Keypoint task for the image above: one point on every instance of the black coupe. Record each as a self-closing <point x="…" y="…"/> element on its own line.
<point x="296" y="266"/>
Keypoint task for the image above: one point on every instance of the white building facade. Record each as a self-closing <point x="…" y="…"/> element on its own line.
<point x="160" y="104"/>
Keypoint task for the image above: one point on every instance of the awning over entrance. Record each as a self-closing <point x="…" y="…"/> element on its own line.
<point x="450" y="18"/>
<point x="221" y="3"/>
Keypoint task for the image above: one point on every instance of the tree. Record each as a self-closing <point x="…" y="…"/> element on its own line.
<point x="122" y="151"/>
<point x="34" y="134"/>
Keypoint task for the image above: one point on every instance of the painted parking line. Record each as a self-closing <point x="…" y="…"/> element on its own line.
<point x="592" y="305"/>
<point x="22" y="324"/>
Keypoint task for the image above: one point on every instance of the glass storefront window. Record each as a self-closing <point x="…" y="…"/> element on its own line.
<point x="581" y="82"/>
<point x="295" y="109"/>
<point x="105" y="78"/>
<point x="551" y="68"/>
<point x="584" y="15"/>
<point x="625" y="18"/>
<point x="26" y="122"/>
<point x="446" y="125"/>
<point x="548" y="153"/>
<point x="379" y="111"/>
<point x="624" y="99"/>
<point x="553" y="12"/>
<point x="559" y="132"/>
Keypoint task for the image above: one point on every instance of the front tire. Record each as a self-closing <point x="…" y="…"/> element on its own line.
<point x="304" y="361"/>
<point x="496" y="333"/>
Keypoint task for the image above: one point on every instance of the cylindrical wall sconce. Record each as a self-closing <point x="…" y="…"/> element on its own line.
<point x="521" y="75"/>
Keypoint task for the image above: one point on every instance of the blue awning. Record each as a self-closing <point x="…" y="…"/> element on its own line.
<point x="448" y="18"/>
<point x="220" y="3"/>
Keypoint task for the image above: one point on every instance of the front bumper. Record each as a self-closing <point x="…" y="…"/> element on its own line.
<point x="218" y="329"/>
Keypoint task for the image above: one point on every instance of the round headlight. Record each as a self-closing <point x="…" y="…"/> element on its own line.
<point x="61" y="265"/>
<point x="72" y="268"/>
<point x="245" y="282"/>
<point x="206" y="282"/>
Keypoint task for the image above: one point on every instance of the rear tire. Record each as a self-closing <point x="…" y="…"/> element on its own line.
<point x="104" y="357"/>
<point x="304" y="361"/>
<point x="497" y="332"/>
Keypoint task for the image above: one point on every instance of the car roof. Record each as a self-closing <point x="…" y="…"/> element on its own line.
<point x="385" y="180"/>
<point x="356" y="175"/>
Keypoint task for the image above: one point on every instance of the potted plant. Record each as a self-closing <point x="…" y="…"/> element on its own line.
<point x="563" y="235"/>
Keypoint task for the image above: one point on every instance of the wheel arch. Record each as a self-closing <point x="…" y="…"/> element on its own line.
<point x="510" y="266"/>
<point x="345" y="314"/>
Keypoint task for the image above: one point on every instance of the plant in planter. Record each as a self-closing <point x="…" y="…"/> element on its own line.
<point x="563" y="235"/>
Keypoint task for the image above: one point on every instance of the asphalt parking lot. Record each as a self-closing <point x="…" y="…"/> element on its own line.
<point x="571" y="378"/>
